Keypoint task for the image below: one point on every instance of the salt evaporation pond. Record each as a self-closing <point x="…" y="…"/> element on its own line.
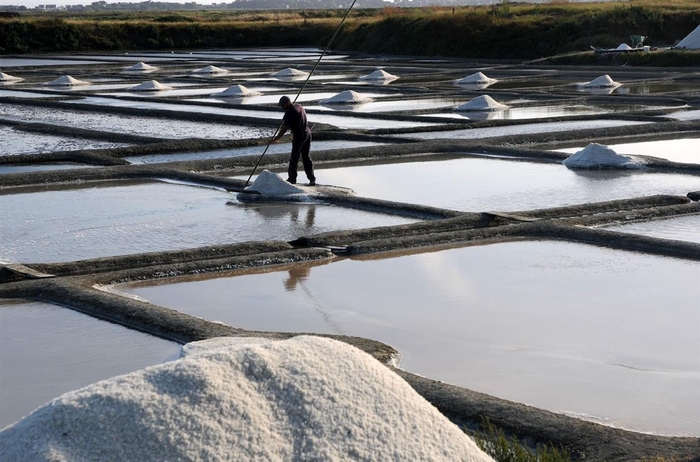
<point x="144" y="126"/>
<point x="389" y="106"/>
<point x="682" y="229"/>
<point x="276" y="148"/>
<point x="522" y="129"/>
<point x="27" y="94"/>
<point x="19" y="168"/>
<point x="20" y="142"/>
<point x="533" y="112"/>
<point x="480" y="184"/>
<point x="684" y="150"/>
<point x="607" y="335"/>
<point x="108" y="220"/>
<point x="47" y="350"/>
<point x="330" y="119"/>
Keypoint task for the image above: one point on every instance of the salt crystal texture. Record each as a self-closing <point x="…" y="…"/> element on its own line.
<point x="66" y="81"/>
<point x="140" y="66"/>
<point x="307" y="398"/>
<point x="203" y="346"/>
<point x="237" y="91"/>
<point x="379" y="74"/>
<point x="604" y="81"/>
<point x="346" y="97"/>
<point x="289" y="72"/>
<point x="481" y="103"/>
<point x="151" y="85"/>
<point x="598" y="156"/>
<point x="9" y="78"/>
<point x="210" y="70"/>
<point x="477" y="78"/>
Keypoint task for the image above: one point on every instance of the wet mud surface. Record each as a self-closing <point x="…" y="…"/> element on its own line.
<point x="436" y="177"/>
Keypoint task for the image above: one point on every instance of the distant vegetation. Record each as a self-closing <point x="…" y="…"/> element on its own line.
<point x="503" y="31"/>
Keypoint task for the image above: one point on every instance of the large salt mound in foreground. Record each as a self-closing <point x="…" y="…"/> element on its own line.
<point x="604" y="81"/>
<point x="598" y="156"/>
<point x="346" y="97"/>
<point x="306" y="398"/>
<point x="481" y="103"/>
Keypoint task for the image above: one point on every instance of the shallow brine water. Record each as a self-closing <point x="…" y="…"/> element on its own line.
<point x="684" y="150"/>
<point x="336" y="120"/>
<point x="534" y="112"/>
<point x="46" y="351"/>
<point x="75" y="224"/>
<point x="522" y="129"/>
<point x="21" y="142"/>
<point x="40" y="167"/>
<point x="600" y="333"/>
<point x="248" y="151"/>
<point x="478" y="184"/>
<point x="144" y="126"/>
<point x="403" y="106"/>
<point x="681" y="229"/>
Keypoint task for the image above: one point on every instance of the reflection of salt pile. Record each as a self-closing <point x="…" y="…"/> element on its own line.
<point x="598" y="156"/>
<point x="346" y="97"/>
<point x="604" y="81"/>
<point x="66" y="81"/>
<point x="476" y="79"/>
<point x="151" y="85"/>
<point x="379" y="74"/>
<point x="306" y="398"/>
<point x="289" y="72"/>
<point x="140" y="66"/>
<point x="210" y="70"/>
<point x="481" y="103"/>
<point x="237" y="91"/>
<point x="9" y="78"/>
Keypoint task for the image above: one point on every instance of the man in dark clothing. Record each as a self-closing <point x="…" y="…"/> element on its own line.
<point x="295" y="120"/>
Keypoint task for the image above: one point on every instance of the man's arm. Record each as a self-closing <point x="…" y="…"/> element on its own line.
<point x="283" y="129"/>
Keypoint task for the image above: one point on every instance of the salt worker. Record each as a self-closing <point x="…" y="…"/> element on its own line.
<point x="294" y="119"/>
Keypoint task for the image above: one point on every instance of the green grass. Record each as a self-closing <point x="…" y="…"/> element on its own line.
<point x="493" y="441"/>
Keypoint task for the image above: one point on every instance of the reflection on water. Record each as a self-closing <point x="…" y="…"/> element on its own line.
<point x="46" y="351"/>
<point x="476" y="184"/>
<point x="74" y="224"/>
<point x="681" y="228"/>
<point x="577" y="329"/>
<point x="684" y="150"/>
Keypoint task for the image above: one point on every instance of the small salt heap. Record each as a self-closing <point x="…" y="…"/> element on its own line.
<point x="477" y="78"/>
<point x="151" y="85"/>
<point x="237" y="91"/>
<point x="66" y="81"/>
<point x="140" y="67"/>
<point x="306" y="398"/>
<point x="379" y="75"/>
<point x="271" y="186"/>
<point x="346" y="97"/>
<point x="623" y="47"/>
<point x="482" y="103"/>
<point x="9" y="78"/>
<point x="604" y="81"/>
<point x="289" y="72"/>
<point x="210" y="70"/>
<point x="597" y="157"/>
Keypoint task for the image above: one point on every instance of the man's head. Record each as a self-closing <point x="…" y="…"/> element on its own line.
<point x="284" y="102"/>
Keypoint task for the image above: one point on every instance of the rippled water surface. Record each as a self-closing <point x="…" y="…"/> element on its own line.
<point x="21" y="142"/>
<point x="608" y="334"/>
<point x="144" y="126"/>
<point x="75" y="224"/>
<point x="681" y="229"/>
<point x="474" y="184"/>
<point x="46" y="351"/>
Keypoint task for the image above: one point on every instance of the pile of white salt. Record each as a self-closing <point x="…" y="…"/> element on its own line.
<point x="307" y="398"/>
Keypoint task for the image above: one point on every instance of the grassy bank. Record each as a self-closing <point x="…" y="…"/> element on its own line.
<point x="504" y="31"/>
